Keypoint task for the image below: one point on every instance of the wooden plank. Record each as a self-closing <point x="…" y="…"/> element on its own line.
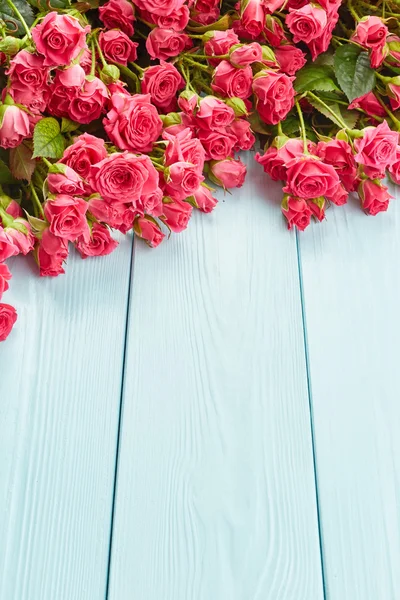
<point x="60" y="389"/>
<point x="352" y="297"/>
<point x="215" y="494"/>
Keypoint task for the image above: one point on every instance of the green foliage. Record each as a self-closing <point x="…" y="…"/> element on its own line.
<point x="340" y="114"/>
<point x="47" y="139"/>
<point x="21" y="163"/>
<point x="5" y="174"/>
<point x="353" y="71"/>
<point x="8" y="15"/>
<point x="315" y="78"/>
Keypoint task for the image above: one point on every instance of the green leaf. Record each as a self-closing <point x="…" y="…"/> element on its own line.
<point x="257" y="125"/>
<point x="5" y="174"/>
<point x="353" y="71"/>
<point x="222" y="24"/>
<point x="67" y="125"/>
<point x="12" y="21"/>
<point x="349" y="117"/>
<point x="47" y="139"/>
<point x="315" y="77"/>
<point x="21" y="163"/>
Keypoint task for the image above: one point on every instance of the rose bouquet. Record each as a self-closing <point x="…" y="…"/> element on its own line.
<point x="123" y="115"/>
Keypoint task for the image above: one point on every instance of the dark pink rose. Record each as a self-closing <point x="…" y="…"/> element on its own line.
<point x="162" y="82"/>
<point x="182" y="180"/>
<point x="274" y="94"/>
<point x="393" y="90"/>
<point x="149" y="231"/>
<point x="321" y="43"/>
<point x="205" y="12"/>
<point x="228" y="173"/>
<point x="85" y="61"/>
<point x="393" y="43"/>
<point x="117" y="47"/>
<point x="118" y="14"/>
<point x="374" y="196"/>
<point x="394" y="169"/>
<point x="217" y="144"/>
<point x="5" y="277"/>
<point x="165" y="43"/>
<point x="339" y="154"/>
<point x="84" y="152"/>
<point x="133" y="123"/>
<point x="331" y="6"/>
<point x="52" y="244"/>
<point x="59" y="38"/>
<point x="177" y="20"/>
<point x="27" y="72"/>
<point x="177" y="214"/>
<point x="65" y="87"/>
<point x="67" y="216"/>
<point x="204" y="199"/>
<point x="100" y="242"/>
<point x="244" y="137"/>
<point x="339" y="196"/>
<point x="242" y="56"/>
<point x="308" y="177"/>
<point x="15" y="126"/>
<point x="218" y="43"/>
<point x="51" y="265"/>
<point x="306" y="23"/>
<point x="297" y="213"/>
<point x="12" y="208"/>
<point x="230" y="82"/>
<point x="377" y="148"/>
<point x="253" y="18"/>
<point x="35" y="102"/>
<point x="90" y="102"/>
<point x="124" y="177"/>
<point x="369" y="104"/>
<point x="272" y="5"/>
<point x="8" y="317"/>
<point x="160" y="7"/>
<point x="290" y="58"/>
<point x="274" y="32"/>
<point x="188" y="102"/>
<point x="66" y="181"/>
<point x="214" y="113"/>
<point x="371" y="32"/>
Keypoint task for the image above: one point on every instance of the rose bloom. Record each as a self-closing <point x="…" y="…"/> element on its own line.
<point x="245" y="55"/>
<point x="205" y="12"/>
<point x="182" y="180"/>
<point x="394" y="169"/>
<point x="162" y="82"/>
<point x="339" y="154"/>
<point x="274" y="94"/>
<point x="177" y="214"/>
<point x="308" y="177"/>
<point x="290" y="59"/>
<point x="15" y="127"/>
<point x="85" y="151"/>
<point x="274" y="32"/>
<point x="369" y="104"/>
<point x="27" y="72"/>
<point x="117" y="47"/>
<point x="90" y="102"/>
<point x="229" y="173"/>
<point x="371" y="32"/>
<point x="65" y="87"/>
<point x="253" y="18"/>
<point x="393" y="91"/>
<point x="21" y="235"/>
<point x="5" y="277"/>
<point x="306" y="23"/>
<point x="297" y="212"/>
<point x="218" y="43"/>
<point x="317" y="208"/>
<point x="275" y="160"/>
<point x="67" y="182"/>
<point x="374" y="196"/>
<point x="59" y="38"/>
<point x="67" y="216"/>
<point x="35" y="101"/>
<point x="165" y="43"/>
<point x="183" y="147"/>
<point x="218" y="145"/>
<point x="51" y="265"/>
<point x="149" y="231"/>
<point x="118" y="14"/>
<point x="377" y="148"/>
<point x="159" y="7"/>
<point x="228" y="81"/>
<point x="8" y="317"/>
<point x="213" y="113"/>
<point x="133" y="123"/>
<point x="321" y="44"/>
<point x="245" y="139"/>
<point x="177" y="20"/>
<point x="151" y="204"/>
<point x="12" y="207"/>
<point x="204" y="199"/>
<point x="124" y="177"/>
<point x="100" y="242"/>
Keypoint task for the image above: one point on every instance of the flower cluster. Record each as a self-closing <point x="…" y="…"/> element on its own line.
<point x="125" y="115"/>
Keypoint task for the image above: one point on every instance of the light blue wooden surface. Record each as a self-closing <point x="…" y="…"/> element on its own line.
<point x="234" y="435"/>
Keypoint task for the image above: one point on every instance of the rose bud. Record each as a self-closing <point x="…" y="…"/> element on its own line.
<point x="7" y="246"/>
<point x="10" y="45"/>
<point x="245" y="54"/>
<point x="21" y="234"/>
<point x="50" y="265"/>
<point x="149" y="230"/>
<point x="317" y="207"/>
<point x="182" y="180"/>
<point x="228" y="173"/>
<point x="297" y="212"/>
<point x="218" y="43"/>
<point x="369" y="104"/>
<point x="230" y="82"/>
<point x="165" y="43"/>
<point x="8" y="317"/>
<point x="377" y="147"/>
<point x="14" y="126"/>
<point x="64" y="180"/>
<point x="213" y="113"/>
<point x="5" y="277"/>
<point x="290" y="59"/>
<point x="204" y="200"/>
<point x="253" y="18"/>
<point x="109" y="74"/>
<point x="188" y="101"/>
<point x="176" y="214"/>
<point x="59" y="38"/>
<point x="238" y="105"/>
<point x="374" y="196"/>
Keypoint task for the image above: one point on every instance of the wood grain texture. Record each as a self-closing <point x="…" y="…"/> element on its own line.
<point x="60" y="387"/>
<point x="215" y="487"/>
<point x="351" y="285"/>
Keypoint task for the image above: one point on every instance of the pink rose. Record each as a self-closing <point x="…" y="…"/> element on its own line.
<point x="188" y="102"/>
<point x="339" y="196"/>
<point x="308" y="177"/>
<point x="66" y="181"/>
<point x="118" y="14"/>
<point x="321" y="43"/>
<point x="133" y="123"/>
<point x="165" y="43"/>
<point x="204" y="199"/>
<point x="369" y="104"/>
<point x="35" y="102"/>
<point x="306" y="23"/>
<point x="377" y="147"/>
<point x="59" y="38"/>
<point x="394" y="169"/>
<point x="7" y="246"/>
<point x="331" y="6"/>
<point x="67" y="216"/>
<point x="393" y="43"/>
<point x="253" y="18"/>
<point x="12" y="208"/>
<point x="272" y="5"/>
<point x="245" y="139"/>
<point x="124" y="177"/>
<point x="290" y="59"/>
<point x="52" y="244"/>
<point x="274" y="95"/>
<point x="5" y="277"/>
<point x="151" y="204"/>
<point x="177" y="214"/>
<point x="27" y="72"/>
<point x="177" y="20"/>
<point x="15" y="126"/>
<point x="275" y="160"/>
<point x="371" y="32"/>
<point x="64" y="89"/>
<point x="214" y="113"/>
<point x="297" y="212"/>
<point x="8" y="316"/>
<point x="218" y="145"/>
<point x="218" y="43"/>
<point x="149" y="231"/>
<point x="162" y="82"/>
<point x="205" y="12"/>
<point x="228" y="173"/>
<point x="183" y="147"/>
<point x="99" y="244"/>
<point x="245" y="55"/>
<point x="117" y="47"/>
<point x="84" y="152"/>
<point x="339" y="154"/>
<point x="374" y="196"/>
<point x="182" y="180"/>
<point x="393" y="90"/>
<point x="160" y="7"/>
<point x="21" y="234"/>
<point x="90" y="102"/>
<point x="274" y="32"/>
<point x="228" y="81"/>
<point x="51" y="265"/>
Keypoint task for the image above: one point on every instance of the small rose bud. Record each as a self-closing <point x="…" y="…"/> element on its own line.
<point x="109" y="74"/>
<point x="10" y="45"/>
<point x="170" y="119"/>
<point x="238" y="105"/>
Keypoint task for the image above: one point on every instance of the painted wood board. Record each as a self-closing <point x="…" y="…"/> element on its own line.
<point x="215" y="490"/>
<point x="60" y="389"/>
<point x="351" y="283"/>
